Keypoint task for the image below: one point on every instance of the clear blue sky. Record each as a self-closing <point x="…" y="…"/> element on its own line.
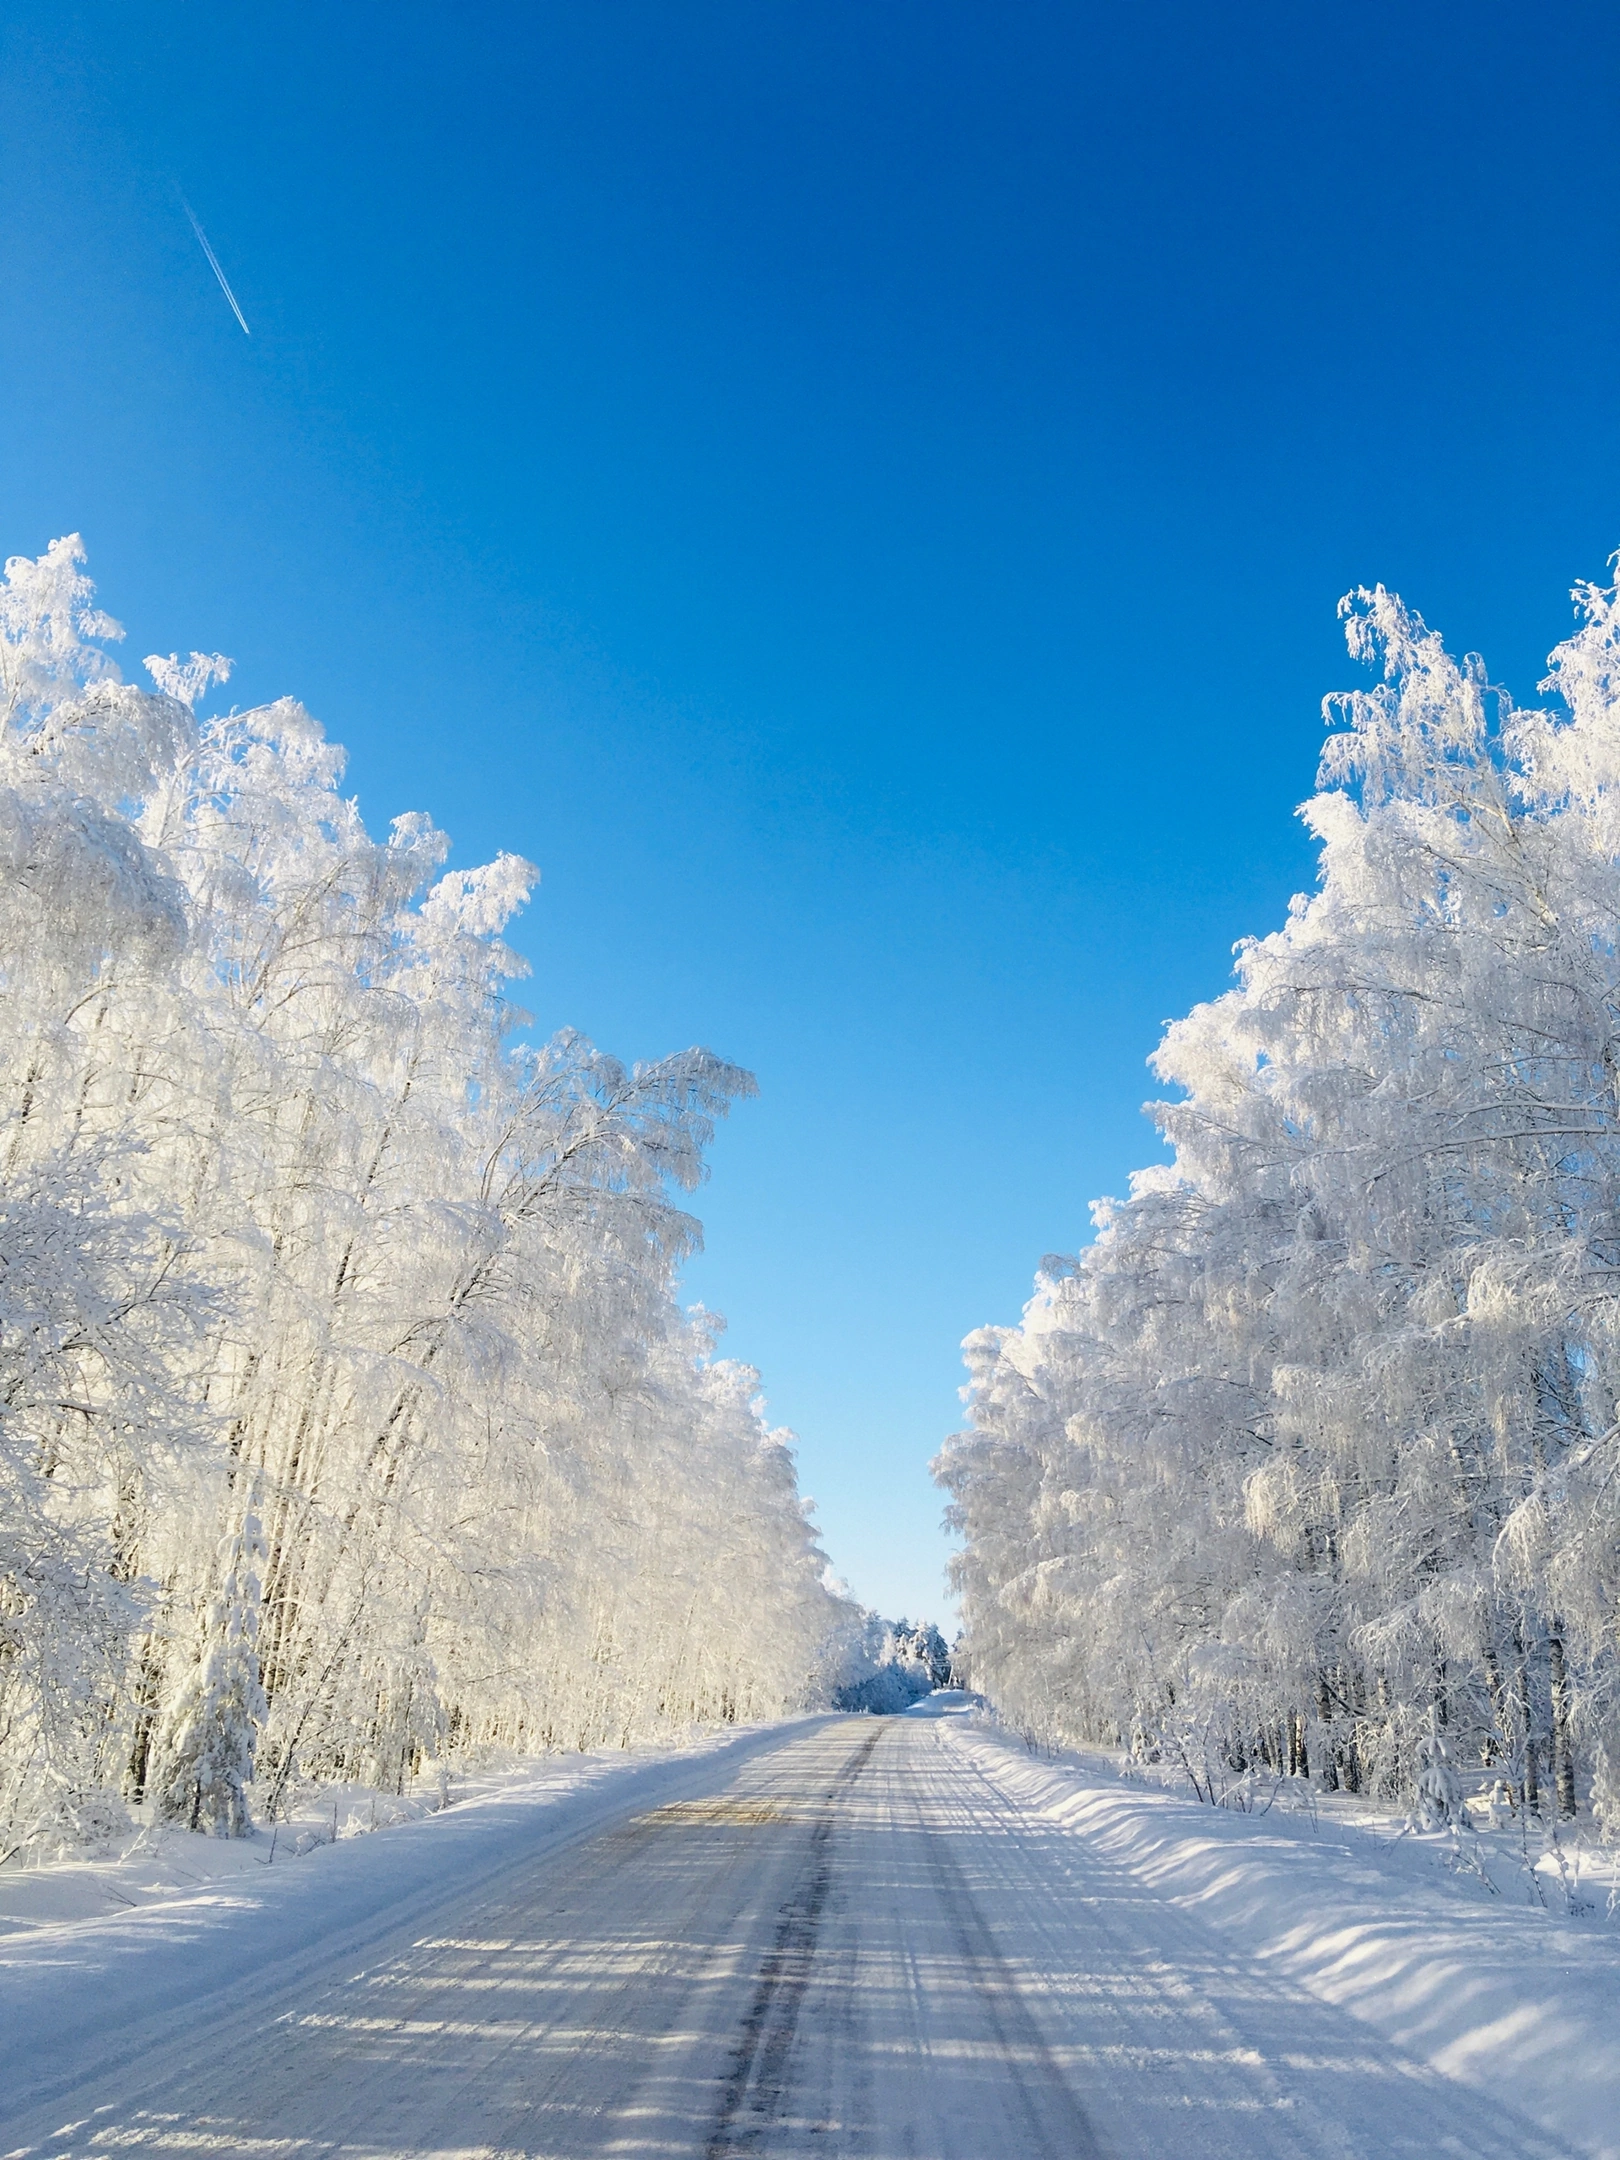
<point x="858" y="493"/>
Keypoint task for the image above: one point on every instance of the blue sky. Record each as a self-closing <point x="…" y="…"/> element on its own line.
<point x="858" y="493"/>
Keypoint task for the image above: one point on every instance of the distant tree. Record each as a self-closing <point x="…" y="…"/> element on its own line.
<point x="922" y="1644"/>
<point x="893" y="1664"/>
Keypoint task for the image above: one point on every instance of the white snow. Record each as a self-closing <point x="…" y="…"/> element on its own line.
<point x="1519" y="2001"/>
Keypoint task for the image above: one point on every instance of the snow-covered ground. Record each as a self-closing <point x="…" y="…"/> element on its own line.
<point x="101" y="1959"/>
<point x="159" y="1865"/>
<point x="880" y="1937"/>
<point x="1495" y="1958"/>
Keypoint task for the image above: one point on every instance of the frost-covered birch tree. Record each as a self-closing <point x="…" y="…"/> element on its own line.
<point x="1309" y="1460"/>
<point x="347" y="1408"/>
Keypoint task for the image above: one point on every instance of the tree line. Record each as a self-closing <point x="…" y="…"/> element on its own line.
<point x="1310" y="1463"/>
<point x="347" y="1410"/>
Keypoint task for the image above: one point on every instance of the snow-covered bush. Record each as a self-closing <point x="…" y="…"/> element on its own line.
<point x="1314" y="1449"/>
<point x="1439" y="1789"/>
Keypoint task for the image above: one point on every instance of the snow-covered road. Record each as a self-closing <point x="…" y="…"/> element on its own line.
<point x="842" y="1938"/>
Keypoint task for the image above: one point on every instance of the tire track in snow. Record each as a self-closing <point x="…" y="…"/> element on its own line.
<point x="1057" y="2127"/>
<point x="759" y="2077"/>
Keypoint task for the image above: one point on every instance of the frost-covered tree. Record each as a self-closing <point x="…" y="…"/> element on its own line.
<point x="890" y="1664"/>
<point x="206" y="1755"/>
<point x="340" y="1350"/>
<point x="1308" y="1461"/>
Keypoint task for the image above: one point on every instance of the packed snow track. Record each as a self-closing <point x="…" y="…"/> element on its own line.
<point x="843" y="1940"/>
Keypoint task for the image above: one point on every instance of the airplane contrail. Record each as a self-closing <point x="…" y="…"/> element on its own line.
<point x="213" y="264"/>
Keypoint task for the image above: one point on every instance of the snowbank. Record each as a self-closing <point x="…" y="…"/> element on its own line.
<point x="1520" y="2002"/>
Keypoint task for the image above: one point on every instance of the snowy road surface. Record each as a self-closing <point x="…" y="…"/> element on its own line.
<point x="842" y="1940"/>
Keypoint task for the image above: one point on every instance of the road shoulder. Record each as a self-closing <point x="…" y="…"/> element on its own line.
<point x="1518" y="2002"/>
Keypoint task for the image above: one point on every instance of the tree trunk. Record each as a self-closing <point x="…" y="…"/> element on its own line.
<point x="1562" y="1755"/>
<point x="1532" y="1789"/>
